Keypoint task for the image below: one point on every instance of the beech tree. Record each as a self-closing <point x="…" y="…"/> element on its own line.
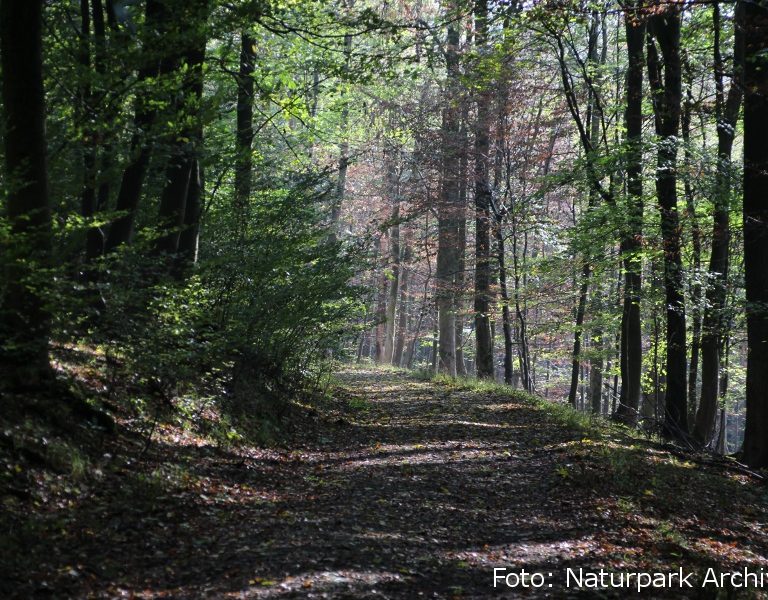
<point x="755" y="25"/>
<point x="448" y="209"/>
<point x="631" y="241"/>
<point x="482" y="303"/>
<point x="25" y="317"/>
<point x="665" y="77"/>
<point x="727" y="106"/>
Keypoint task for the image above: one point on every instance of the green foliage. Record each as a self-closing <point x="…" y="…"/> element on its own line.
<point x="267" y="300"/>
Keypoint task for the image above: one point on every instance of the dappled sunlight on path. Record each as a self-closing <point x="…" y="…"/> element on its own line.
<point x="417" y="490"/>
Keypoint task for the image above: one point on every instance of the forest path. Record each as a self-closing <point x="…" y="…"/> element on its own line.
<point x="406" y="489"/>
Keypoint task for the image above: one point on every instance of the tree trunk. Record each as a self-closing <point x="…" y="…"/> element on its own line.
<point x="630" y="345"/>
<point x="666" y="85"/>
<point x="482" y="304"/>
<point x="394" y="257"/>
<point x="447" y="250"/>
<point x="185" y="144"/>
<point x="755" y="450"/>
<point x="461" y="241"/>
<point x="506" y="318"/>
<point x="381" y="313"/>
<point x="190" y="234"/>
<point x="88" y="195"/>
<point x="402" y="325"/>
<point x="596" y="364"/>
<point x="341" y="181"/>
<point x="726" y="114"/>
<point x="244" y="133"/>
<point x="25" y="318"/>
<point x="696" y="290"/>
<point x="155" y="28"/>
<point x="96" y="237"/>
<point x="523" y="353"/>
<point x="581" y="309"/>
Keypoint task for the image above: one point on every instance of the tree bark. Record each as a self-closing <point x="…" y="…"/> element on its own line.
<point x="666" y="84"/>
<point x="696" y="289"/>
<point x="25" y="318"/>
<point x="592" y="137"/>
<point x="402" y="324"/>
<point x="461" y="241"/>
<point x="630" y="352"/>
<point x="88" y="196"/>
<point x="190" y="234"/>
<point x="185" y="145"/>
<point x="244" y="133"/>
<point x="586" y="271"/>
<point x="726" y="114"/>
<point x="755" y="449"/>
<point x="394" y="259"/>
<point x="154" y="36"/>
<point x="447" y="250"/>
<point x="381" y="313"/>
<point x="482" y="304"/>
<point x="341" y="181"/>
<point x="96" y="236"/>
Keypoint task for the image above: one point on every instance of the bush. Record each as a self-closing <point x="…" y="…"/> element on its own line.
<point x="269" y="297"/>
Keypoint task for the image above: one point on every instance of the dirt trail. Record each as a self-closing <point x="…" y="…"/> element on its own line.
<point x="414" y="490"/>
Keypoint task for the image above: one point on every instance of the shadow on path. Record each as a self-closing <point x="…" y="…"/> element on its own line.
<point x="418" y="494"/>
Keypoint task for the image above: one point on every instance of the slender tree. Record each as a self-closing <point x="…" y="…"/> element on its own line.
<point x="244" y="133"/>
<point x="393" y="194"/>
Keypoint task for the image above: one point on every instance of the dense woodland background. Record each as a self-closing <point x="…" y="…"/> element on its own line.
<point x="217" y="198"/>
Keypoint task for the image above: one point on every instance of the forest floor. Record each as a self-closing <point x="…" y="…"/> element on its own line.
<point x="401" y="488"/>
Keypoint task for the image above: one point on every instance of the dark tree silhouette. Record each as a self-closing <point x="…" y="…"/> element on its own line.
<point x="25" y="318"/>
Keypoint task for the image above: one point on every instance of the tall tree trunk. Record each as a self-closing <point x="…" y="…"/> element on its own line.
<point x="381" y="314"/>
<point x="696" y="289"/>
<point x="592" y="139"/>
<point x="341" y="181"/>
<point x="581" y="309"/>
<point x="447" y="250"/>
<point x="190" y="234"/>
<point x="244" y="134"/>
<point x="461" y="240"/>
<point x="394" y="258"/>
<point x="726" y="114"/>
<point x="435" y="341"/>
<point x="96" y="237"/>
<point x="24" y="317"/>
<point x="402" y="325"/>
<point x="755" y="450"/>
<point x="523" y="353"/>
<point x="185" y="144"/>
<point x="88" y="196"/>
<point x="596" y="358"/>
<point x="500" y="212"/>
<point x="482" y="304"/>
<point x="154" y="36"/>
<point x="722" y="438"/>
<point x="666" y="84"/>
<point x="506" y="318"/>
<point x="630" y="353"/>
